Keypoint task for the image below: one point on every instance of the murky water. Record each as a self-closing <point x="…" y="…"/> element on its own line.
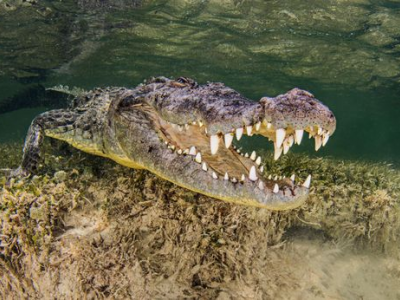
<point x="347" y="53"/>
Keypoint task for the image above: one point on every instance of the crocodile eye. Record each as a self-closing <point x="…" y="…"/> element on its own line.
<point x="182" y="80"/>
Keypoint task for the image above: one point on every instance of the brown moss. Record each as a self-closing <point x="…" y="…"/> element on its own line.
<point x="96" y="228"/>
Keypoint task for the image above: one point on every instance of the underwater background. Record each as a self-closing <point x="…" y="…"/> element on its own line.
<point x="87" y="226"/>
<point x="345" y="52"/>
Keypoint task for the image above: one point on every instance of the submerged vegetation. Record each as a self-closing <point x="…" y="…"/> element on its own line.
<point x="87" y="225"/>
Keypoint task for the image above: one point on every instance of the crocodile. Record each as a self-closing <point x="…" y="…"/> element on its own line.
<point x="186" y="133"/>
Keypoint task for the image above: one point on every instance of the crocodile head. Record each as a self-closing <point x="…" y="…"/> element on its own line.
<point x="184" y="132"/>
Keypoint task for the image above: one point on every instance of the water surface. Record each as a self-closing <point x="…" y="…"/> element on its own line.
<point x="347" y="53"/>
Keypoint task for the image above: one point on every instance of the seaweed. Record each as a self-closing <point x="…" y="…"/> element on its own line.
<point x="86" y="225"/>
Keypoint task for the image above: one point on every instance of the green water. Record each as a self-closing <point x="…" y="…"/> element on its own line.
<point x="345" y="52"/>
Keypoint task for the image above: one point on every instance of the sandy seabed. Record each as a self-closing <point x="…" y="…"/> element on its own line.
<point x="87" y="228"/>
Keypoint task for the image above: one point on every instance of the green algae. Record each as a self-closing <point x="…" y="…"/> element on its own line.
<point x="110" y="231"/>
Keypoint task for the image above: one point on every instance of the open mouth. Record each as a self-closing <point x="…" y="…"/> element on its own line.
<point x="221" y="160"/>
<point x="199" y="127"/>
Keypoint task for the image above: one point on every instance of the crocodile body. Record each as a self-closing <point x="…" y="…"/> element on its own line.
<point x="185" y="133"/>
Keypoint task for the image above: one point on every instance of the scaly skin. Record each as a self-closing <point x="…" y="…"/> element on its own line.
<point x="155" y="125"/>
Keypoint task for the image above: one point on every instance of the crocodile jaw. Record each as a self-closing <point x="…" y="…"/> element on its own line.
<point x="194" y="148"/>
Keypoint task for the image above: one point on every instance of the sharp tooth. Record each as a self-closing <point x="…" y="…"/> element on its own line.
<point x="307" y="183"/>
<point x="280" y="177"/>
<point x="318" y="142"/>
<point x="166" y="143"/>
<point x="205" y="130"/>
<point x="258" y="161"/>
<point x="228" y="138"/>
<point x="249" y="129"/>
<point x="239" y="133"/>
<point x="325" y="139"/>
<point x="257" y="126"/>
<point x="214" y="143"/>
<point x="310" y="135"/>
<point x="192" y="150"/>
<point x="234" y="180"/>
<point x="280" y="136"/>
<point x="299" y="136"/>
<point x="269" y="125"/>
<point x="290" y="140"/>
<point x="270" y="177"/>
<point x="194" y="123"/>
<point x="276" y="188"/>
<point x="204" y="166"/>
<point x="214" y="175"/>
<point x="292" y="178"/>
<point x="286" y="148"/>
<point x="200" y="123"/>
<point x="261" y="185"/>
<point x="253" y="174"/>
<point x="186" y="126"/>
<point x="253" y="155"/>
<point x="319" y="130"/>
<point x="243" y="178"/>
<point x="278" y="152"/>
<point x="186" y="151"/>
<point x="276" y="178"/>
<point x="198" y="158"/>
<point x="180" y="151"/>
<point x="262" y="169"/>
<point x="171" y="147"/>
<point x="226" y="177"/>
<point x="246" y="155"/>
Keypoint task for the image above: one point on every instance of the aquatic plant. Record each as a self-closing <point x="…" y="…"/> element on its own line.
<point x="97" y="227"/>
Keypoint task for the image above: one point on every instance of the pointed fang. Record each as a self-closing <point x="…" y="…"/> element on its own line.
<point x="226" y="177"/>
<point x="318" y="142"/>
<point x="214" y="175"/>
<point x="192" y="150"/>
<point x="325" y="140"/>
<point x="253" y="156"/>
<point x="258" y="161"/>
<point x="214" y="144"/>
<point x="280" y="136"/>
<point x="286" y="148"/>
<point x="228" y="138"/>
<point x="276" y="188"/>
<point x="307" y="183"/>
<point x="239" y="133"/>
<point x="293" y="177"/>
<point x="278" y="152"/>
<point x="253" y="174"/>
<point x="299" y="136"/>
<point x="204" y="166"/>
<point x="198" y="158"/>
<point x="249" y="130"/>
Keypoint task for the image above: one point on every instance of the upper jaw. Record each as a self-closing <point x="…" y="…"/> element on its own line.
<point x="282" y="119"/>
